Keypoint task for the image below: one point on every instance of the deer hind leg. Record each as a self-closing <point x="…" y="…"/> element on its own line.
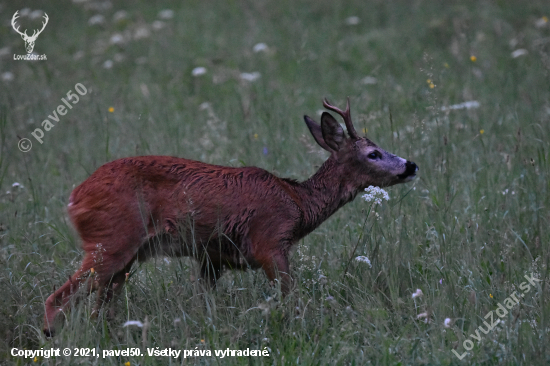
<point x="60" y="301"/>
<point x="109" y="288"/>
<point x="99" y="271"/>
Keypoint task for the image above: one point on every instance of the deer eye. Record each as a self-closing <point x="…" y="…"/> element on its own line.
<point x="373" y="156"/>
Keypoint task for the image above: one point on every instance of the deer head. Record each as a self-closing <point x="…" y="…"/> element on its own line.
<point x="365" y="161"/>
<point x="29" y="40"/>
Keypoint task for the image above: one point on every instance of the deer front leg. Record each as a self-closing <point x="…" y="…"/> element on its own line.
<point x="275" y="267"/>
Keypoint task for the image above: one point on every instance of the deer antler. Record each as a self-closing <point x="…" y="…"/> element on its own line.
<point x="24" y="34"/>
<point x="15" y="16"/>
<point x="46" y="18"/>
<point x="345" y="115"/>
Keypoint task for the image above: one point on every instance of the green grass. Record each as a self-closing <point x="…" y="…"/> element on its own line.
<point x="452" y="233"/>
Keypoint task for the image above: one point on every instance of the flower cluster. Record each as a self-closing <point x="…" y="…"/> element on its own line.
<point x="375" y="195"/>
<point x="364" y="259"/>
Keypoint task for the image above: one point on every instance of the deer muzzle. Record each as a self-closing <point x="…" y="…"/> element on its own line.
<point x="410" y="171"/>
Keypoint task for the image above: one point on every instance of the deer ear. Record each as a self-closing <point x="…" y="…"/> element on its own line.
<point x="333" y="134"/>
<point x="315" y="130"/>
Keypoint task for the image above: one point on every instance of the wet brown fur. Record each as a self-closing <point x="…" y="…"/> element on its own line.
<point x="135" y="208"/>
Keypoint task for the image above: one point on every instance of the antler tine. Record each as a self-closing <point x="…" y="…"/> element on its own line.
<point x="46" y="18"/>
<point x="14" y="26"/>
<point x="345" y="115"/>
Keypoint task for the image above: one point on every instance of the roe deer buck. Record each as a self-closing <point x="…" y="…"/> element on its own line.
<point x="135" y="208"/>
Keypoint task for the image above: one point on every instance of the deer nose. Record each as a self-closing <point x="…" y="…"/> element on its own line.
<point x="410" y="170"/>
<point x="411" y="167"/>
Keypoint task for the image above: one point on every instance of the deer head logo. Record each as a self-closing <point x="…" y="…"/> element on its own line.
<point x="29" y="40"/>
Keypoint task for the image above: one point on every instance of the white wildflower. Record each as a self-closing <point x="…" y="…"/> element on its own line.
<point x="250" y="76"/>
<point x="78" y="55"/>
<point x="108" y="64"/>
<point x="466" y="105"/>
<point x="133" y="322"/>
<point x="116" y="38"/>
<point x="157" y="25"/>
<point x="204" y="106"/>
<point x="35" y="14"/>
<point x="519" y="52"/>
<point x="25" y="12"/>
<point x="96" y="19"/>
<point x="369" y="80"/>
<point x="353" y="20"/>
<point x="541" y="22"/>
<point x="166" y="14"/>
<point x="198" y="71"/>
<point x="7" y="76"/>
<point x="120" y="16"/>
<point x="447" y="323"/>
<point x="141" y="32"/>
<point x="260" y="47"/>
<point x="418" y="293"/>
<point x="423" y="316"/>
<point x="17" y="185"/>
<point x="5" y="51"/>
<point x="375" y="195"/>
<point x="363" y="259"/>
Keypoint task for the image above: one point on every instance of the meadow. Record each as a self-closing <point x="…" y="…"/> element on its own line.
<point x="228" y="83"/>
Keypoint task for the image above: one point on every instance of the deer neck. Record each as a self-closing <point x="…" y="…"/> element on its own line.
<point x="324" y="193"/>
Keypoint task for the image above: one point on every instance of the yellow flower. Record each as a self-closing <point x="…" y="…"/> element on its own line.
<point x="473" y="58"/>
<point x="491" y="295"/>
<point x="429" y="81"/>
<point x="446" y="65"/>
<point x="482" y="131"/>
<point x="127" y="363"/>
<point x="365" y="130"/>
<point x="111" y="109"/>
<point x="255" y="136"/>
<point x="35" y="359"/>
<point x="432" y="86"/>
<point x="202" y="340"/>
